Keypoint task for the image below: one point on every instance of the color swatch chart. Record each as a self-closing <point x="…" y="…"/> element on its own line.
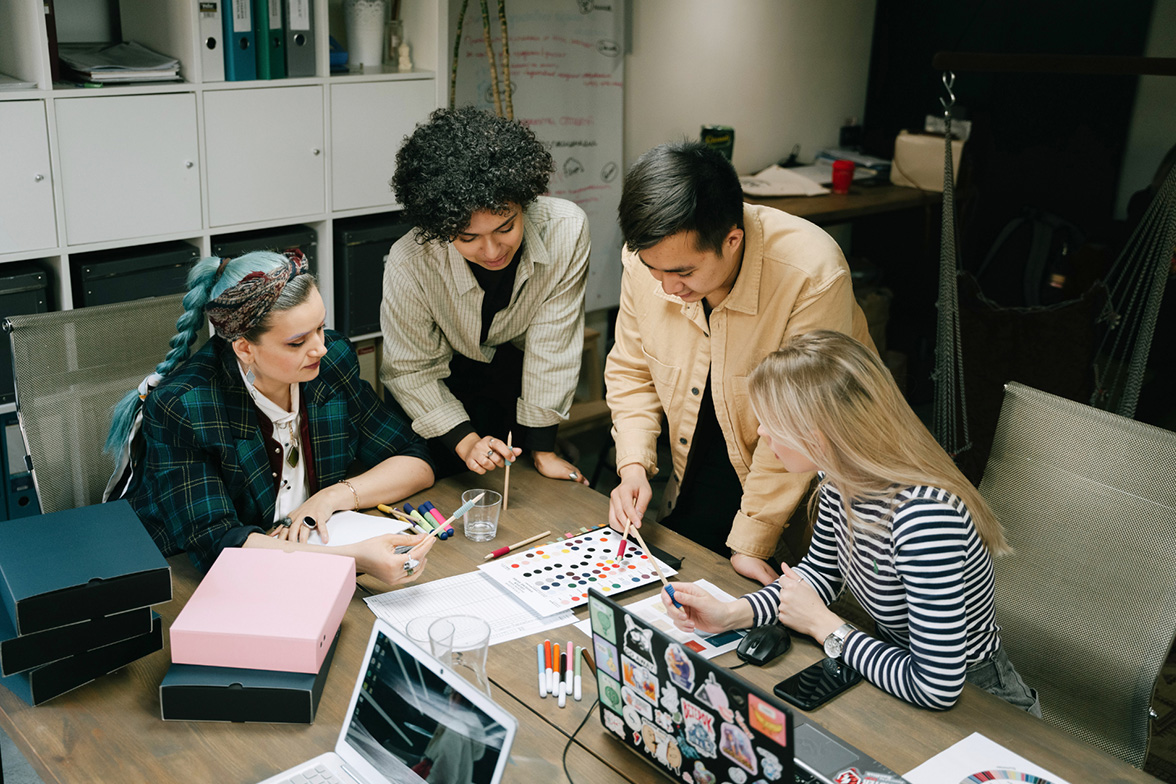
<point x="553" y="577"/>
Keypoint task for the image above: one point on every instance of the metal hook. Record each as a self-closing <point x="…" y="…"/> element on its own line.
<point x="948" y="82"/>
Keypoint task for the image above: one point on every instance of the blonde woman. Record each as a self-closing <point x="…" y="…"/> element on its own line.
<point x="895" y="522"/>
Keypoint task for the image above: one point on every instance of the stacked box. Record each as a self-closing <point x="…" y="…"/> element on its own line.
<point x="256" y="640"/>
<point x="75" y="591"/>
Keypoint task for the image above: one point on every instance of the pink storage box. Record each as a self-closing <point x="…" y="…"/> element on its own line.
<point x="265" y="610"/>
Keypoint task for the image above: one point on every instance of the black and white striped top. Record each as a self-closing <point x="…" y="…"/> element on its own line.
<point x="928" y="584"/>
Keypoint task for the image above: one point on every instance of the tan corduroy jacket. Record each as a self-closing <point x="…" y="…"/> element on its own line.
<point x="793" y="280"/>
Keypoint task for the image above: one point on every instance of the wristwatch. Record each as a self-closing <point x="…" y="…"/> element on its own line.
<point x="836" y="640"/>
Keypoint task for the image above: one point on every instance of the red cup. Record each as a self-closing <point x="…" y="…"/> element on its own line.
<point x="842" y="176"/>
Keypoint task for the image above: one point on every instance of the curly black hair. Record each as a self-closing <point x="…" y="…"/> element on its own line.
<point x="465" y="160"/>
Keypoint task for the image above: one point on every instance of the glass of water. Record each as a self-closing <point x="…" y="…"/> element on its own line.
<point x="481" y="521"/>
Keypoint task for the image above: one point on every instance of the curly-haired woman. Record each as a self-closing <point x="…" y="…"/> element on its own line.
<point x="483" y="308"/>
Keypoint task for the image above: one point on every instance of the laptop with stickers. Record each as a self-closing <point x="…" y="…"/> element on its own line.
<point x="411" y="719"/>
<point x="700" y="723"/>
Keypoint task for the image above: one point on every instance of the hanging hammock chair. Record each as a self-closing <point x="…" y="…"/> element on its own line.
<point x="1123" y="320"/>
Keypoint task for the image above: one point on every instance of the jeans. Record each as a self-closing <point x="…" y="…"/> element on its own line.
<point x="998" y="677"/>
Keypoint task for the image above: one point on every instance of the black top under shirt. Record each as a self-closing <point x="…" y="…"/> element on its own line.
<point x="711" y="492"/>
<point x="498" y="287"/>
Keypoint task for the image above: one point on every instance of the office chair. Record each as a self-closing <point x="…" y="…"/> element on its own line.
<point x="1087" y="600"/>
<point x="71" y="367"/>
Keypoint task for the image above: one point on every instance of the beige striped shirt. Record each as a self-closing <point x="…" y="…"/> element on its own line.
<point x="432" y="307"/>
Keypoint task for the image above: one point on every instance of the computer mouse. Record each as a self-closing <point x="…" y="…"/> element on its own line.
<point x="764" y="643"/>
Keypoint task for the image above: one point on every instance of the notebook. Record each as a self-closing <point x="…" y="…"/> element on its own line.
<point x="696" y="721"/>
<point x="410" y="719"/>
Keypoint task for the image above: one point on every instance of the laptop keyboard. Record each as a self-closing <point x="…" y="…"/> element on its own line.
<point x="320" y="774"/>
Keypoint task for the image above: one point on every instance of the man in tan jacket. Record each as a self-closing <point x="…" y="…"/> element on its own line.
<point x="710" y="287"/>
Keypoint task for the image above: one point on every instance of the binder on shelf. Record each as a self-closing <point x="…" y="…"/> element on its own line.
<point x="212" y="50"/>
<point x="51" y="32"/>
<point x="18" y="497"/>
<point x="23" y="291"/>
<point x="299" y="38"/>
<point x="271" y="39"/>
<point x="240" y="40"/>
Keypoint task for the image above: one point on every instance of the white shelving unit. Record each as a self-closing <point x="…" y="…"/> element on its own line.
<point x="92" y="169"/>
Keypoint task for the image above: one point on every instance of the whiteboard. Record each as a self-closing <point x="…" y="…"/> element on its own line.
<point x="567" y="75"/>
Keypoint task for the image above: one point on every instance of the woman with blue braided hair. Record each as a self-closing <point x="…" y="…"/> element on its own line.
<point x="248" y="442"/>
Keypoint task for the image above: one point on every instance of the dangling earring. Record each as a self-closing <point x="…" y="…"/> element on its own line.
<point x="252" y="379"/>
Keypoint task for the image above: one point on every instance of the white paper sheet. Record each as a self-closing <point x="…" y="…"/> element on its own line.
<point x="351" y="527"/>
<point x="472" y="593"/>
<point x="652" y="612"/>
<point x="778" y="181"/>
<point x="977" y="758"/>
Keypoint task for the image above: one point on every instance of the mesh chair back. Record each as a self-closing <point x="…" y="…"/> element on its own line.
<point x="71" y="367"/>
<point x="1087" y="601"/>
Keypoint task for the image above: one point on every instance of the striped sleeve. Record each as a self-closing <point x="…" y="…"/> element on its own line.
<point x="930" y="549"/>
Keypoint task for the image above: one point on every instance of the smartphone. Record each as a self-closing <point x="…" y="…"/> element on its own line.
<point x="817" y="683"/>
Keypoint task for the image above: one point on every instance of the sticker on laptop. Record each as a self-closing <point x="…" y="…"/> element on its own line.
<point x="700" y="729"/>
<point x="701" y="775"/>
<point x="610" y="691"/>
<point x="630" y="698"/>
<point x="615" y="724"/>
<point x="768" y="720"/>
<point x="606" y="656"/>
<point x="770" y="764"/>
<point x="736" y="746"/>
<point x="669" y="701"/>
<point x="848" y="776"/>
<point x="681" y="669"/>
<point x="638" y="643"/>
<point x="711" y="694"/>
<point x="602" y="619"/>
<point x="640" y="678"/>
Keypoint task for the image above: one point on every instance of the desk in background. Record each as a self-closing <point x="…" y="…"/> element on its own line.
<point x="860" y="202"/>
<point x="110" y="730"/>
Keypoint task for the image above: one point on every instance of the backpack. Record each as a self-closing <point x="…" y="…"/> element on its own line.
<point x="1031" y="261"/>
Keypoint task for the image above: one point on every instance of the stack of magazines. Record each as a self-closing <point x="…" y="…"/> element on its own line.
<point x="121" y="63"/>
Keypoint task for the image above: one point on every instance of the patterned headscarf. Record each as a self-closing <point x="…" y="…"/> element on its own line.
<point x="240" y="308"/>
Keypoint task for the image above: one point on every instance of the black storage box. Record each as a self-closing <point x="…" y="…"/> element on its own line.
<point x="53" y="680"/>
<point x="120" y="274"/>
<point x="24" y="652"/>
<point x="77" y="564"/>
<point x="190" y="692"/>
<point x="23" y="291"/>
<point x="305" y="238"/>
<point x="360" y="247"/>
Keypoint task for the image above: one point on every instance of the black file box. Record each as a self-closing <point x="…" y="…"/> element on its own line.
<point x="305" y="238"/>
<point x="360" y="247"/>
<point x="191" y="692"/>
<point x="24" y="652"/>
<point x="121" y="274"/>
<point x="23" y="290"/>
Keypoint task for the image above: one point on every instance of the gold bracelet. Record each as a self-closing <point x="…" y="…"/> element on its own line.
<point x="351" y="487"/>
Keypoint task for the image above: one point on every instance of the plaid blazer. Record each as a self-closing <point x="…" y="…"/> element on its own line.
<point x="207" y="484"/>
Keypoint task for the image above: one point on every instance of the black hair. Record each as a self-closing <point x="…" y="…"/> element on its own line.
<point x="462" y="161"/>
<point x="676" y="187"/>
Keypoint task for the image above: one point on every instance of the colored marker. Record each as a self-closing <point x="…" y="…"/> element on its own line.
<point x="576" y="682"/>
<point x="432" y="510"/>
<point x="568" y="670"/>
<point x="420" y="518"/>
<point x="547" y="670"/>
<point x="556" y="669"/>
<point x="563" y="689"/>
<point x="542" y="670"/>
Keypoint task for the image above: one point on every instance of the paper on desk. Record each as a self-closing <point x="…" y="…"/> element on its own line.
<point x="652" y="612"/>
<point x="821" y="172"/>
<point x="472" y="593"/>
<point x="778" y="181"/>
<point x="351" y="527"/>
<point x="978" y="758"/>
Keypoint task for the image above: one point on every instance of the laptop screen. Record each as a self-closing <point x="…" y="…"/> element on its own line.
<point x="411" y="726"/>
<point x="693" y="720"/>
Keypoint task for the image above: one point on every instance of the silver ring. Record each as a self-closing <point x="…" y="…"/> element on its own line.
<point x="287" y="522"/>
<point x="490" y="455"/>
<point x="410" y="565"/>
<point x="310" y="522"/>
<point x="573" y="475"/>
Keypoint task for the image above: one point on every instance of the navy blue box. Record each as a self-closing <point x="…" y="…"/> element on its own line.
<point x="190" y="692"/>
<point x="53" y="680"/>
<point x="74" y="565"/>
<point x="24" y="652"/>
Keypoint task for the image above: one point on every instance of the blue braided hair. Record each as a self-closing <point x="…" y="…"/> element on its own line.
<point x="208" y="279"/>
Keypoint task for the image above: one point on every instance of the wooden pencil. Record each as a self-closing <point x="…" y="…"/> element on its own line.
<point x="506" y="481"/>
<point x="515" y="546"/>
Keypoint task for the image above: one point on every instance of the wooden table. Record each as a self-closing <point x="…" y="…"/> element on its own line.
<point x="110" y="730"/>
<point x="862" y="200"/>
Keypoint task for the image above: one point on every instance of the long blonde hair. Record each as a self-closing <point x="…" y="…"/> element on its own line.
<point x="827" y="396"/>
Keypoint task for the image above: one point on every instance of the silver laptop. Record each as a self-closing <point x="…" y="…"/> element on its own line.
<point x="411" y="719"/>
